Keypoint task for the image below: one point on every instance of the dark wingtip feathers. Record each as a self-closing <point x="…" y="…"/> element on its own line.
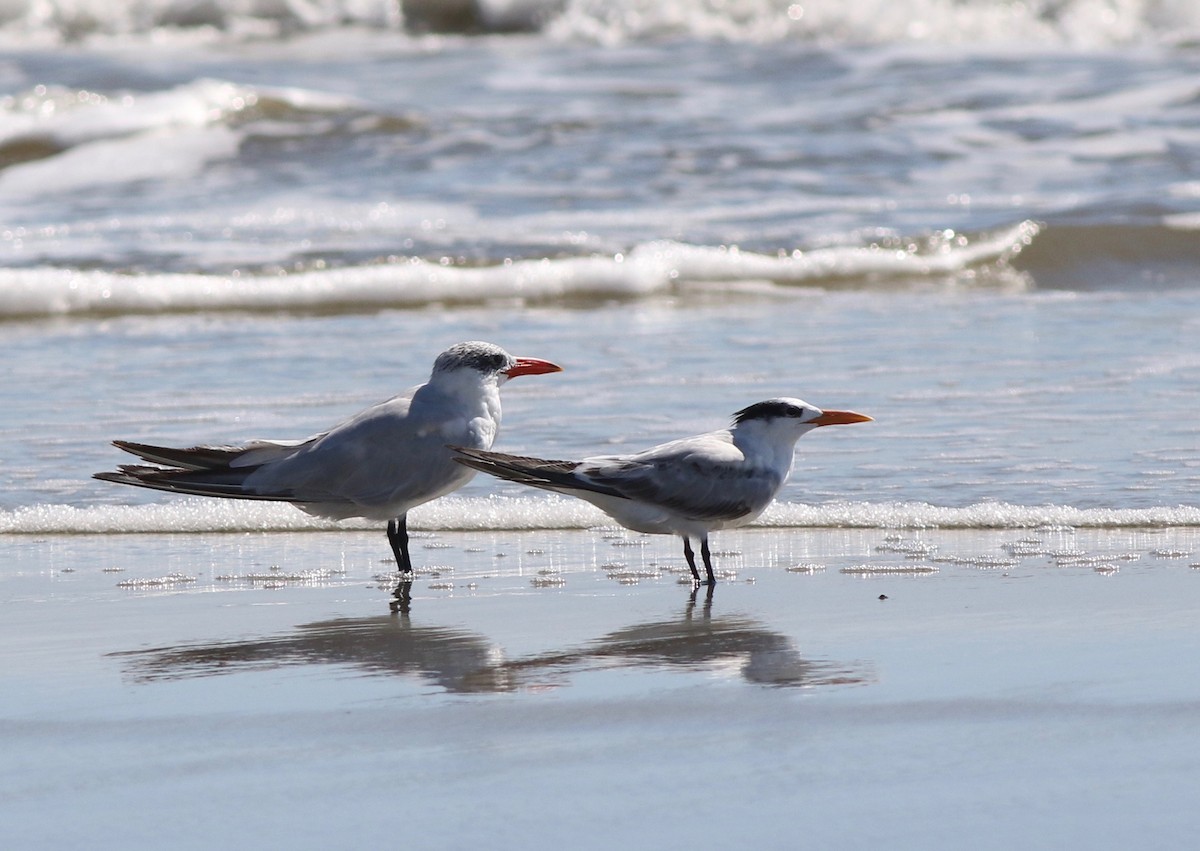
<point x="191" y="458"/>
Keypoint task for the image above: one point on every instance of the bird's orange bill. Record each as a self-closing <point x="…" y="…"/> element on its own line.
<point x="840" y="418"/>
<point x="531" y="366"/>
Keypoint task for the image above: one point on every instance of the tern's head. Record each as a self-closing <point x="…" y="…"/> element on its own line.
<point x="486" y="362"/>
<point x="790" y="418"/>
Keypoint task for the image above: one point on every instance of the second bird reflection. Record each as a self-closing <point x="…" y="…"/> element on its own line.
<point x="461" y="661"/>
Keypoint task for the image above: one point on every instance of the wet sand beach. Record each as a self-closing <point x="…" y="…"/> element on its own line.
<point x="838" y="688"/>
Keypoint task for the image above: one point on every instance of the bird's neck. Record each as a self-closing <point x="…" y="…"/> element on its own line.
<point x="466" y="412"/>
<point x="764" y="446"/>
<point x="473" y="393"/>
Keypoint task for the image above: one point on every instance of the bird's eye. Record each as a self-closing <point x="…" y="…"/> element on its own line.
<point x="498" y="361"/>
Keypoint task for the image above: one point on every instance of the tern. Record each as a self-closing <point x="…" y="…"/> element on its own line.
<point x="378" y="464"/>
<point x="688" y="487"/>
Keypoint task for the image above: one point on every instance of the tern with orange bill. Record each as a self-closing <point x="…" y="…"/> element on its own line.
<point x="378" y="464"/>
<point x="689" y="487"/>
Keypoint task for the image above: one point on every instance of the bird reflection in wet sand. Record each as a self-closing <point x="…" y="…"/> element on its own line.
<point x="460" y="661"/>
<point x="700" y="642"/>
<point x="456" y="660"/>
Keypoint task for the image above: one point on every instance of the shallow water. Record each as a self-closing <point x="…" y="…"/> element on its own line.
<point x="978" y="397"/>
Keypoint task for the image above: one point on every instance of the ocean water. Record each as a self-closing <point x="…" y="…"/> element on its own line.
<point x="978" y="222"/>
<point x="970" y="622"/>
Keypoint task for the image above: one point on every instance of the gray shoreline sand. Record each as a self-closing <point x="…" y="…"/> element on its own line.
<point x="838" y="689"/>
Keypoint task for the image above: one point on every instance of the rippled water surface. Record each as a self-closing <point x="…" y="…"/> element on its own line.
<point x="978" y="397"/>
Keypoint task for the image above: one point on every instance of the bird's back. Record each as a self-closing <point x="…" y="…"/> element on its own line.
<point x="703" y="479"/>
<point x="381" y="462"/>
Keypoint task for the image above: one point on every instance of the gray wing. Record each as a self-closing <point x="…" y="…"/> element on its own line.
<point x="701" y="478"/>
<point x="387" y="452"/>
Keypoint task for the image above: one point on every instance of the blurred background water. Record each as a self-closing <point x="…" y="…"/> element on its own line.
<point x="976" y="221"/>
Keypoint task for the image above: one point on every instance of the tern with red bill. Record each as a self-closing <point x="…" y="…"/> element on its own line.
<point x="689" y="487"/>
<point x="378" y="464"/>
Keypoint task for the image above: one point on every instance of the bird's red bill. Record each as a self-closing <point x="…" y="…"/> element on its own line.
<point x="840" y="418"/>
<point x="531" y="366"/>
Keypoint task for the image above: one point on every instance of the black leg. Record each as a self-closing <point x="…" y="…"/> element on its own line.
<point x="398" y="537"/>
<point x="691" y="559"/>
<point x="712" y="580"/>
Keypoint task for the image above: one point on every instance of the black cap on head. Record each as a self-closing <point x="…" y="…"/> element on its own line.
<point x="771" y="409"/>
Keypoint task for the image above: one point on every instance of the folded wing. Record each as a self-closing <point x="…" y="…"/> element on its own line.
<point x="699" y="479"/>
<point x="203" y="470"/>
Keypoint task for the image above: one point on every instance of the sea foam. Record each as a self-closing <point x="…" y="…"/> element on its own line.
<point x="545" y="513"/>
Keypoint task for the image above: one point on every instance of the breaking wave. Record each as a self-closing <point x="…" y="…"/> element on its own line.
<point x="648" y="269"/>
